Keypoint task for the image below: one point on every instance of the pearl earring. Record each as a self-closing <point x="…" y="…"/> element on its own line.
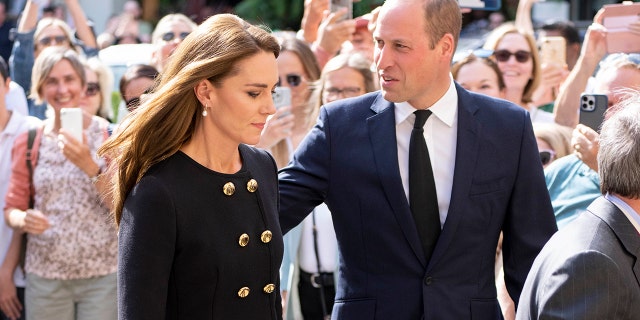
<point x="204" y="111"/>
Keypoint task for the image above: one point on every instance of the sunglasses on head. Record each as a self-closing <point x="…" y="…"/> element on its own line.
<point x="293" y="80"/>
<point x="93" y="88"/>
<point x="169" y="36"/>
<point x="546" y="156"/>
<point x="504" y="55"/>
<point x="47" y="40"/>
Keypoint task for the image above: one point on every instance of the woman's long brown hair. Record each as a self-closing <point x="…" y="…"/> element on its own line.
<point x="168" y="117"/>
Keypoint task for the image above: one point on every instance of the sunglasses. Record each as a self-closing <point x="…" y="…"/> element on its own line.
<point x="504" y="55"/>
<point x="134" y="102"/>
<point x="293" y="80"/>
<point x="546" y="156"/>
<point x="47" y="40"/>
<point x="93" y="88"/>
<point x="170" y="35"/>
<point x="345" y="92"/>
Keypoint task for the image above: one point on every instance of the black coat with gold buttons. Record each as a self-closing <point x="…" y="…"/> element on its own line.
<point x="197" y="244"/>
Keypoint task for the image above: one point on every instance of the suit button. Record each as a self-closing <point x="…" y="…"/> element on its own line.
<point x="269" y="288"/>
<point x="244" y="240"/>
<point x="243" y="292"/>
<point x="229" y="189"/>
<point x="266" y="236"/>
<point x="252" y="185"/>
<point x="428" y="281"/>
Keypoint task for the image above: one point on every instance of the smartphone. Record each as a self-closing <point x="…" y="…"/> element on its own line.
<point x="282" y="98"/>
<point x="490" y="5"/>
<point x="71" y="121"/>
<point x="592" y="109"/>
<point x="616" y="19"/>
<point x="336" y="5"/>
<point x="553" y="50"/>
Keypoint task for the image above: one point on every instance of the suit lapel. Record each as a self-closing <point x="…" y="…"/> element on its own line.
<point x="382" y="134"/>
<point x="466" y="153"/>
<point x="621" y="226"/>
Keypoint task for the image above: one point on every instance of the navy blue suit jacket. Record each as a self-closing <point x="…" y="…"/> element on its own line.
<point x="349" y="160"/>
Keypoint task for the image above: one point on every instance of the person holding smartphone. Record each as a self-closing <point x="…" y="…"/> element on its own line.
<point x="71" y="254"/>
<point x="572" y="181"/>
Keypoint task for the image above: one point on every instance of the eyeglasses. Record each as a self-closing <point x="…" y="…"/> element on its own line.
<point x="546" y="156"/>
<point x="93" y="88"/>
<point x="345" y="92"/>
<point x="293" y="80"/>
<point x="47" y="40"/>
<point x="169" y="36"/>
<point x="504" y="55"/>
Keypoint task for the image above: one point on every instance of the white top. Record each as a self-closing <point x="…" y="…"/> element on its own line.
<point x="540" y="116"/>
<point x="17" y="124"/>
<point x="441" y="134"/>
<point x="327" y="243"/>
<point x="16" y="99"/>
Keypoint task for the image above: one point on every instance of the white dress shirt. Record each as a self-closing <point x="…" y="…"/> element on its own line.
<point x="441" y="134"/>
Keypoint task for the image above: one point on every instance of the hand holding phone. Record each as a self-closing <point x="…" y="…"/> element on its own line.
<point x="592" y="110"/>
<point x="553" y="50"/>
<point x="337" y="5"/>
<point x="282" y="98"/>
<point x="616" y="18"/>
<point x="71" y="121"/>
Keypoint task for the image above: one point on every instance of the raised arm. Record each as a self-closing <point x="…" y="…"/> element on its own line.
<point x="82" y="26"/>
<point x="29" y="16"/>
<point x="593" y="50"/>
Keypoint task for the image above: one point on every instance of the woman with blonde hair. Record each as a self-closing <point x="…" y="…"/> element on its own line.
<point x="199" y="235"/>
<point x="97" y="94"/>
<point x="516" y="54"/>
<point x="167" y="35"/>
<point x="71" y="252"/>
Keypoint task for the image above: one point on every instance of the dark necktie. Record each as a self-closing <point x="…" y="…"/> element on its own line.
<point x="422" y="187"/>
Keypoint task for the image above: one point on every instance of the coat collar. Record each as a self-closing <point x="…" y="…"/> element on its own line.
<point x="621" y="226"/>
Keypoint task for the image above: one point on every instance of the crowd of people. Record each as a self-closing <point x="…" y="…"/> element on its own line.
<point x="396" y="184"/>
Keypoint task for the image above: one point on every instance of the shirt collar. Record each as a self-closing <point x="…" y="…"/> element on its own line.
<point x="628" y="211"/>
<point x="442" y="108"/>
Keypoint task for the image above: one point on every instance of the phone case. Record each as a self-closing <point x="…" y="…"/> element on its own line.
<point x="282" y="98"/>
<point x="553" y="50"/>
<point x="592" y="109"/>
<point x="490" y="5"/>
<point x="71" y="121"/>
<point x="336" y="5"/>
<point x="616" y="18"/>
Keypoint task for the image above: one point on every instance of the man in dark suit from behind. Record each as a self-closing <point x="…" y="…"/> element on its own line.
<point x="589" y="269"/>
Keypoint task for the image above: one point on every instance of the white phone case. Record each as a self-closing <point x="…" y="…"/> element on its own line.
<point x="71" y="121"/>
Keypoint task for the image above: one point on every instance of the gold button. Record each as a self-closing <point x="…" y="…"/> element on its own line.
<point x="243" y="292"/>
<point x="244" y="240"/>
<point x="252" y="185"/>
<point x="266" y="236"/>
<point x="229" y="188"/>
<point x="269" y="288"/>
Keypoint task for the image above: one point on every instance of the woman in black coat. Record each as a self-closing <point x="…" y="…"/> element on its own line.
<point x="196" y="205"/>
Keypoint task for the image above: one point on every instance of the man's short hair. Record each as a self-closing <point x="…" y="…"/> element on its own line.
<point x="566" y="28"/>
<point x="619" y="153"/>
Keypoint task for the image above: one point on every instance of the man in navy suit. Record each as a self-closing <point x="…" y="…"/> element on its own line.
<point x="589" y="269"/>
<point x="485" y="163"/>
